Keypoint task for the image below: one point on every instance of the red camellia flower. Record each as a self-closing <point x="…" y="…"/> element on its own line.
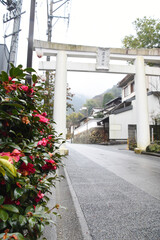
<point x="17" y="202"/>
<point x="24" y="88"/>
<point x="3" y="182"/>
<point x="50" y="165"/>
<point x="50" y="137"/>
<point x="18" y="184"/>
<point x="31" y="157"/>
<point x="29" y="91"/>
<point x="27" y="169"/>
<point x="15" y="155"/>
<point x="41" y="118"/>
<point x="43" y="142"/>
<point x="44" y="114"/>
<point x="39" y="196"/>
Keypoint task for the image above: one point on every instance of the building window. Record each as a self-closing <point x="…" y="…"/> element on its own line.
<point x="132" y="87"/>
<point x="126" y="91"/>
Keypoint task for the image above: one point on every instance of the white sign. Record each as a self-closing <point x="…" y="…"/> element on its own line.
<point x="103" y="59"/>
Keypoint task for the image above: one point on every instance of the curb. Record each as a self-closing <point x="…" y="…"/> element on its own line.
<point x="151" y="154"/>
<point x="83" y="224"/>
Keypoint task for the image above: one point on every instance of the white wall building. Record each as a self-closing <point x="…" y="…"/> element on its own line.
<point x="89" y="124"/>
<point x="125" y="113"/>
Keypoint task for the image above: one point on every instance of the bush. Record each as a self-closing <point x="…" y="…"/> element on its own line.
<point x="28" y="154"/>
<point x="154" y="147"/>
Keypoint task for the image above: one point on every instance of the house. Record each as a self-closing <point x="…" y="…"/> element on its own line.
<point x="122" y="119"/>
<point x="120" y="115"/>
<point x="93" y="129"/>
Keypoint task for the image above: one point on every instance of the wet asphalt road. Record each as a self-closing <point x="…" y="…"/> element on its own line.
<point x="118" y="191"/>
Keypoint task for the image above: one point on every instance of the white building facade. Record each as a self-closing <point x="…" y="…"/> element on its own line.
<point x="126" y="113"/>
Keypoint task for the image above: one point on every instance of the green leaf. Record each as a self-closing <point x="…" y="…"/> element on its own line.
<point x="4" y="76"/>
<point x="20" y="236"/>
<point x="11" y="72"/>
<point x="3" y="215"/>
<point x="18" y="192"/>
<point x="38" y="208"/>
<point x="22" y="220"/>
<point x="40" y="227"/>
<point x="24" y="159"/>
<point x="10" y="208"/>
<point x="15" y="146"/>
<point x="1" y="199"/>
<point x="2" y="226"/>
<point x="20" y="66"/>
<point x="8" y="166"/>
<point x="29" y="70"/>
<point x="8" y="187"/>
<point x="2" y="171"/>
<point x="34" y="78"/>
<point x="13" y="222"/>
<point x="32" y="221"/>
<point x="29" y="209"/>
<point x="17" y="72"/>
<point x="12" y="104"/>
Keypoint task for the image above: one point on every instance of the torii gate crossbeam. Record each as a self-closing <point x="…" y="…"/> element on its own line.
<point x="139" y="56"/>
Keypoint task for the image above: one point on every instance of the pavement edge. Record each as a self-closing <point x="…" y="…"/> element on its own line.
<point x="83" y="224"/>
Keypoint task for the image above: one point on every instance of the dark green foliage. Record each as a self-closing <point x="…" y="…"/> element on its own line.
<point x="147" y="34"/>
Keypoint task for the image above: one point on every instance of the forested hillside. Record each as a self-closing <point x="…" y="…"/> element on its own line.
<point x="79" y="100"/>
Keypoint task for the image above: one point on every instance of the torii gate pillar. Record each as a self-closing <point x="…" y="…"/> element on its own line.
<point x="143" y="133"/>
<point x="60" y="94"/>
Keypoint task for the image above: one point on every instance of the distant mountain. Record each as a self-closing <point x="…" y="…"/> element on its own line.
<point x="78" y="100"/>
<point x="115" y="91"/>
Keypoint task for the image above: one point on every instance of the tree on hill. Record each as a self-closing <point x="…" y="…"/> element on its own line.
<point x="90" y="104"/>
<point x="107" y="97"/>
<point x="147" y="34"/>
<point x="115" y="91"/>
<point x="74" y="118"/>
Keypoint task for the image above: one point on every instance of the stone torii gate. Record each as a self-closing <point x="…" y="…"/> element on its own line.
<point x="103" y="55"/>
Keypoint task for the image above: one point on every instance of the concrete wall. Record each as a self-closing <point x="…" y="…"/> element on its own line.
<point x="154" y="108"/>
<point x="92" y="123"/>
<point x="93" y="135"/>
<point x="118" y="124"/>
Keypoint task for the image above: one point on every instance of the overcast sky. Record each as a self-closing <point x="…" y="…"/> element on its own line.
<point x="101" y="23"/>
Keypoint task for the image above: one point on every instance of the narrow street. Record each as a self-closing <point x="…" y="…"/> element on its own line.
<point x="117" y="192"/>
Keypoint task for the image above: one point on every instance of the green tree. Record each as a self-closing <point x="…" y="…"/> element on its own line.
<point x="73" y="119"/>
<point x="107" y="97"/>
<point x="147" y="34"/>
<point x="90" y="104"/>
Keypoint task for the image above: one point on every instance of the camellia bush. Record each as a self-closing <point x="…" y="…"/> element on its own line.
<point x="28" y="157"/>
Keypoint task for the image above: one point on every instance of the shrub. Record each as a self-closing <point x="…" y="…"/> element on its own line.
<point x="154" y="147"/>
<point x="28" y="154"/>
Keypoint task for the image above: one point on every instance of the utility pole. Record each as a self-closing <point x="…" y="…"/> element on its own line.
<point x="15" y="11"/>
<point x="31" y="33"/>
<point x="49" y="18"/>
<point x="30" y="40"/>
<point x="51" y="15"/>
<point x="15" y="34"/>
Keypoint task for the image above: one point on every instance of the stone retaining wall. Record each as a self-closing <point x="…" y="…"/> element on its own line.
<point x="93" y="135"/>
